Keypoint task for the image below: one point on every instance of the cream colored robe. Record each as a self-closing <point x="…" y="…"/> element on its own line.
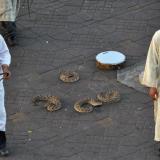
<point x="151" y="77"/>
<point x="8" y="10"/>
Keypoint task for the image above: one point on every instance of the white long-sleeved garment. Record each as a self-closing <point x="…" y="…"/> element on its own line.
<point x="151" y="77"/>
<point x="5" y="58"/>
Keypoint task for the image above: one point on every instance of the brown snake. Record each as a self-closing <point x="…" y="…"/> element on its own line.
<point x="52" y="103"/>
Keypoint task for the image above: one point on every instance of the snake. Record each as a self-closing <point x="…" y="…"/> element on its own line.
<point x="52" y="103"/>
<point x="86" y="105"/>
<point x="109" y="97"/>
<point x="69" y="76"/>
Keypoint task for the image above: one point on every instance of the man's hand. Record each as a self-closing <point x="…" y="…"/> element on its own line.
<point x="7" y="73"/>
<point x="153" y="93"/>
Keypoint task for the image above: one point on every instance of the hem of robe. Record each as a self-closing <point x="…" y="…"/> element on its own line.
<point x="7" y="19"/>
<point x="146" y="84"/>
<point x="157" y="139"/>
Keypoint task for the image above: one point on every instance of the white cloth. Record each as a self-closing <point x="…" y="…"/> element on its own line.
<point x="5" y="58"/>
<point x="8" y="10"/>
<point x="2" y="109"/>
<point x="151" y="77"/>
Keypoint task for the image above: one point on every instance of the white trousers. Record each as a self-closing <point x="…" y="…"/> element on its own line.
<point x="2" y="109"/>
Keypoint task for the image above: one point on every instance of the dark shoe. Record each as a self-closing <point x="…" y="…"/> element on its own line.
<point x="11" y="41"/>
<point x="4" y="152"/>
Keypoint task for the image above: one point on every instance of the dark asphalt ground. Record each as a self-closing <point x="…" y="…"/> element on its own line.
<point x="67" y="34"/>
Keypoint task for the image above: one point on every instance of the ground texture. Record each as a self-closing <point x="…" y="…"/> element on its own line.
<point x="67" y="34"/>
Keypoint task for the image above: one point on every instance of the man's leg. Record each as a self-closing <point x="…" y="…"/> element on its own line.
<point x="3" y="150"/>
<point x="9" y="32"/>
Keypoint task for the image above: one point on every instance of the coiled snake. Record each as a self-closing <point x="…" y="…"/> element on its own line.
<point x="109" y="97"/>
<point x="84" y="105"/>
<point x="52" y="103"/>
<point x="69" y="76"/>
<point x="87" y="105"/>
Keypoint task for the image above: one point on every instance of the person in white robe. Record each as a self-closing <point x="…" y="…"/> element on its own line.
<point x="8" y="13"/>
<point x="5" y="60"/>
<point x="151" y="79"/>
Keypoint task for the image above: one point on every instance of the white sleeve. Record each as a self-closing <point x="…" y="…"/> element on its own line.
<point x="5" y="57"/>
<point x="151" y="71"/>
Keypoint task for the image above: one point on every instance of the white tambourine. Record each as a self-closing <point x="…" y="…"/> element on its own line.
<point x="110" y="60"/>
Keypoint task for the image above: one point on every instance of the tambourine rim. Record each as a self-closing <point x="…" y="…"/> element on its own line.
<point x="108" y="63"/>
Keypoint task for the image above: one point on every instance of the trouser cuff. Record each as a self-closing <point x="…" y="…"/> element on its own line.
<point x="2" y="139"/>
